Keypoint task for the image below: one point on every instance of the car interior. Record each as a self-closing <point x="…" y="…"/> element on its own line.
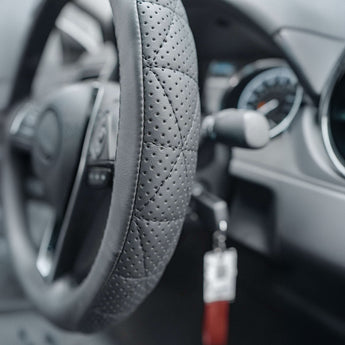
<point x="143" y="140"/>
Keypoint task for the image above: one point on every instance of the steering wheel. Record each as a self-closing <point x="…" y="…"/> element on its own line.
<point x="115" y="163"/>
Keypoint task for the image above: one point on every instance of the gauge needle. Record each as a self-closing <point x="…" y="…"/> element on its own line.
<point x="268" y="107"/>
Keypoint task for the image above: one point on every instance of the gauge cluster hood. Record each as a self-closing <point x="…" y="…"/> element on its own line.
<point x="314" y="50"/>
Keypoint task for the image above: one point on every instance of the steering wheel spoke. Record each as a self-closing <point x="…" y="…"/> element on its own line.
<point x="92" y="182"/>
<point x="23" y="126"/>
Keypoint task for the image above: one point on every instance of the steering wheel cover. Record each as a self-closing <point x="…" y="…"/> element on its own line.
<point x="153" y="175"/>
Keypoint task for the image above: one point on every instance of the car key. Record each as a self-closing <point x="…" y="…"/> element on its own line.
<point x="220" y="272"/>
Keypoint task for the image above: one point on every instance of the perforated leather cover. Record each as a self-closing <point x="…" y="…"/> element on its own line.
<point x="167" y="160"/>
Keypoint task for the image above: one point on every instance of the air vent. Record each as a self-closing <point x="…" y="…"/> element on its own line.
<point x="333" y="123"/>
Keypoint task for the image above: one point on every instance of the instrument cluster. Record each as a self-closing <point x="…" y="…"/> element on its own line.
<point x="268" y="86"/>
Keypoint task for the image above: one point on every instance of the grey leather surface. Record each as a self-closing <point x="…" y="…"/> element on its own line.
<point x="154" y="170"/>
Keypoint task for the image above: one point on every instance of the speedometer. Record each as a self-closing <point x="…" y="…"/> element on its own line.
<point x="276" y="94"/>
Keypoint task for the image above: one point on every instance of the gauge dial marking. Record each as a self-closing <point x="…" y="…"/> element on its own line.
<point x="266" y="108"/>
<point x="276" y="93"/>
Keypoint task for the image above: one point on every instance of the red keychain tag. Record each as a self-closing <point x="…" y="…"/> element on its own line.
<point x="220" y="272"/>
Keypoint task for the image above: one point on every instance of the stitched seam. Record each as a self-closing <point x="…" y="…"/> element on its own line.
<point x="183" y="17"/>
<point x="138" y="279"/>
<point x="142" y="90"/>
<point x="154" y="64"/>
<point x="162" y="68"/>
<point x="175" y="15"/>
<point x="141" y="244"/>
<point x="176" y="121"/>
<point x="166" y="146"/>
<point x="183" y="140"/>
<point x="184" y="64"/>
<point x="161" y="185"/>
<point x="167" y="220"/>
<point x="142" y="131"/>
<point x="168" y="32"/>
<point x="153" y="197"/>
<point x="155" y="270"/>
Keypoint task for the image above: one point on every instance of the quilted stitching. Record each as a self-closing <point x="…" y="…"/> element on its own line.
<point x="168" y="161"/>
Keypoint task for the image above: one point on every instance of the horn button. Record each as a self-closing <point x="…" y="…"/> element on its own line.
<point x="48" y="135"/>
<point x="59" y="139"/>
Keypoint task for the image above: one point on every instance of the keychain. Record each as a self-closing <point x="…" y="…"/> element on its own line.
<point x="220" y="273"/>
